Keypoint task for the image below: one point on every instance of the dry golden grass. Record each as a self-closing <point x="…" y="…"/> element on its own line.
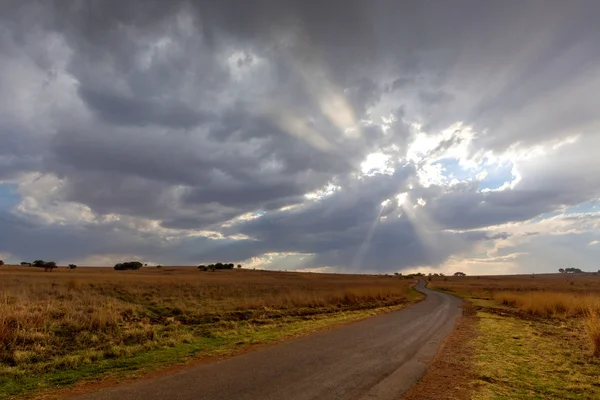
<point x="551" y="304"/>
<point x="486" y="286"/>
<point x="69" y="318"/>
<point x="548" y="296"/>
<point x="592" y="328"/>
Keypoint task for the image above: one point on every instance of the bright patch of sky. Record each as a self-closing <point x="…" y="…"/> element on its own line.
<point x="453" y="141"/>
<point x="401" y="198"/>
<point x="376" y="163"/>
<point x="450" y="171"/>
<point x="280" y="260"/>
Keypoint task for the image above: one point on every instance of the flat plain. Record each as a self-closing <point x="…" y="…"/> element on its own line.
<point x="68" y="327"/>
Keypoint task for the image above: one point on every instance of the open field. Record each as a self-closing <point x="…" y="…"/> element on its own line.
<point x="60" y="327"/>
<point x="537" y="336"/>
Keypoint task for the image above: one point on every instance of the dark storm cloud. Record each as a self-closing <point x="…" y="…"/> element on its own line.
<point x="27" y="240"/>
<point x="123" y="111"/>
<point x="193" y="113"/>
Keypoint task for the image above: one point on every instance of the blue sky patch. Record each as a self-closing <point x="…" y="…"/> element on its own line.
<point x="585" y="207"/>
<point x="8" y="196"/>
<point x="497" y="174"/>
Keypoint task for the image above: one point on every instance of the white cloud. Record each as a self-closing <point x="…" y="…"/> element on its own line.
<point x="376" y="163"/>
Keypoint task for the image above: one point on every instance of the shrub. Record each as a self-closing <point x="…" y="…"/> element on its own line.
<point x="25" y="263"/>
<point x="72" y="266"/>
<point x="159" y="266"/>
<point x="48" y="266"/>
<point x="239" y="266"/>
<point x="1" y="262"/>
<point x="129" y="265"/>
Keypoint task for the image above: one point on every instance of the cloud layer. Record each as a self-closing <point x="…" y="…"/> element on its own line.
<point x="354" y="135"/>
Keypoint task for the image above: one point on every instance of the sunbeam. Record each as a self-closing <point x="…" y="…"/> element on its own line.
<point x="362" y="249"/>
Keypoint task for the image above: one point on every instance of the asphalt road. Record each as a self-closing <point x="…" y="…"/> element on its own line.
<point x="377" y="358"/>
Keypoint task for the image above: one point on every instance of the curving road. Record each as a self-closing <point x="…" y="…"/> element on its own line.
<point x="377" y="358"/>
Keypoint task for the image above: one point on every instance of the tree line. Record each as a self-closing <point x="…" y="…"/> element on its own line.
<point x="570" y="271"/>
<point x="124" y="266"/>
<point x="214" y="267"/>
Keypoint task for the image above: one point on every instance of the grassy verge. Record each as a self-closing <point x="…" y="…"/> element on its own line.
<point x="532" y="359"/>
<point x="536" y="339"/>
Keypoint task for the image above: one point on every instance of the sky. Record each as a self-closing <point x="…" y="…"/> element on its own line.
<point x="343" y="136"/>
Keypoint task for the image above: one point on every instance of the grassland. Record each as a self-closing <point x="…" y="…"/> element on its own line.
<point x="537" y="336"/>
<point x="67" y="326"/>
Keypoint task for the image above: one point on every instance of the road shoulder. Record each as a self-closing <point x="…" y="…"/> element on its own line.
<point x="451" y="372"/>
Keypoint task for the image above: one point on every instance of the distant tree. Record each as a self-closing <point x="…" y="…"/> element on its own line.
<point x="561" y="270"/>
<point x="1" y="262"/>
<point x="145" y="265"/>
<point x="460" y="274"/>
<point x="213" y="267"/>
<point x="441" y="274"/>
<point x="219" y="265"/>
<point x="202" y="267"/>
<point x="239" y="266"/>
<point x="159" y="266"/>
<point x="49" y="266"/>
<point x="129" y="265"/>
<point x="573" y="271"/>
<point x="230" y="266"/>
<point x="72" y="266"/>
<point x="26" y="264"/>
